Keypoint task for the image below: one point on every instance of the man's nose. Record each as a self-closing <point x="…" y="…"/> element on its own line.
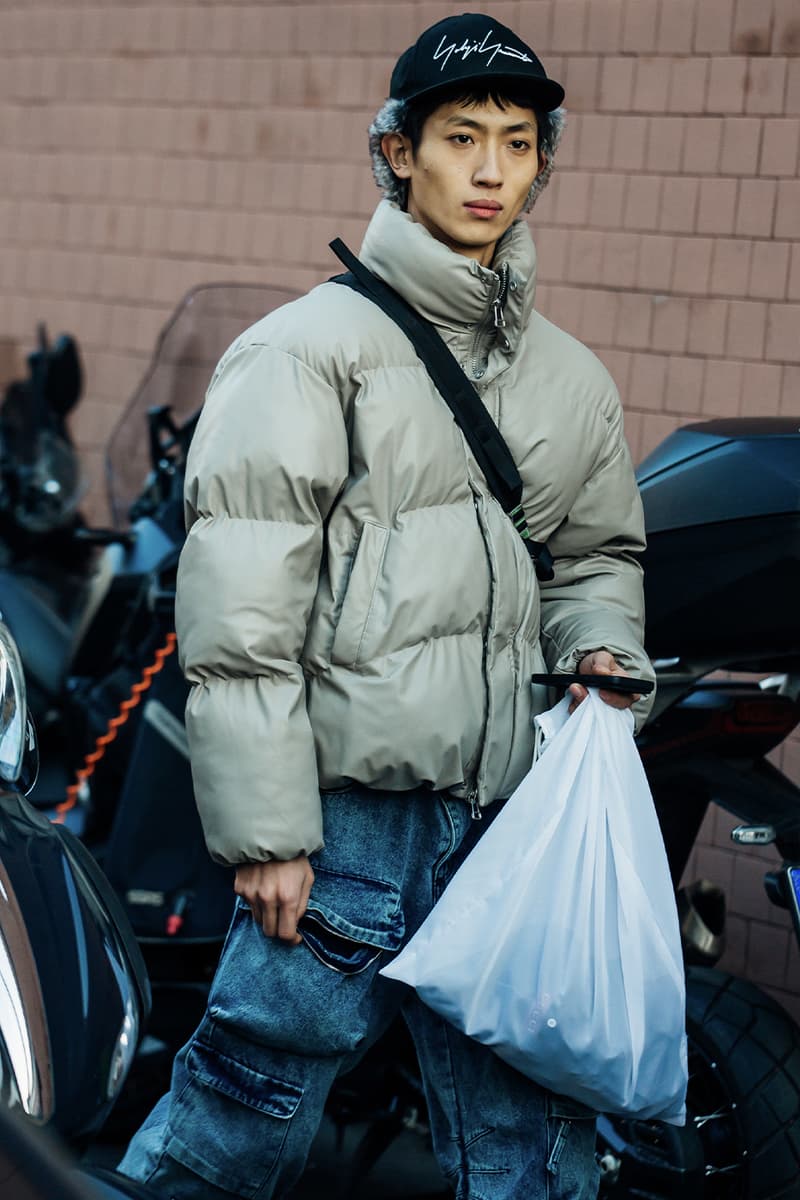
<point x="488" y="172"/>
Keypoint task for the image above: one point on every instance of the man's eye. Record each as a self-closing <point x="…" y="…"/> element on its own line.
<point x="462" y="139"/>
<point x="519" y="144"/>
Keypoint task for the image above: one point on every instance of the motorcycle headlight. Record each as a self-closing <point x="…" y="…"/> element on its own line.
<point x="53" y="488"/>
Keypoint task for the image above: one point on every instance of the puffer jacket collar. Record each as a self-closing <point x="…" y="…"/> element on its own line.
<point x="452" y="291"/>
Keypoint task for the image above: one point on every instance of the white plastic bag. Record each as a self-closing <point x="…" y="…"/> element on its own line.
<point x="556" y="942"/>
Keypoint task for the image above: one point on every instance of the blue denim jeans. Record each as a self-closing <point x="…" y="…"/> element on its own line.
<point x="283" y="1022"/>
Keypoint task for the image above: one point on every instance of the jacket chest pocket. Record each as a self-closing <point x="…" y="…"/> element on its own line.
<point x="350" y="641"/>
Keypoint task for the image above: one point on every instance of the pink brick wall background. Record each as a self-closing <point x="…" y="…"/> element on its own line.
<point x="147" y="147"/>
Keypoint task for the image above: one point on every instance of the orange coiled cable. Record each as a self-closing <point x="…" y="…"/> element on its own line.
<point x="114" y="725"/>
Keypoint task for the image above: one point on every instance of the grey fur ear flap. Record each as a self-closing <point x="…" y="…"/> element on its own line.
<point x="557" y="119"/>
<point x="390" y="119"/>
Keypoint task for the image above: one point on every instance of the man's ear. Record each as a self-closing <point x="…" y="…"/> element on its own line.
<point x="543" y="161"/>
<point x="397" y="151"/>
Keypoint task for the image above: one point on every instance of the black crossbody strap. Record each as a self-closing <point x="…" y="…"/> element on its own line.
<point x="484" y="438"/>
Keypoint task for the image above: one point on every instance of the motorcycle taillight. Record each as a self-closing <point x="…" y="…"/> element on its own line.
<point x="765" y="713"/>
<point x="737" y="720"/>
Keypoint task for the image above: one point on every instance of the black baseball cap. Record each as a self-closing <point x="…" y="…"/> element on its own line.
<point x="471" y="48"/>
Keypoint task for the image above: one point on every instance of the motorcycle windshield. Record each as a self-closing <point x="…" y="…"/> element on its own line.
<point x="202" y="327"/>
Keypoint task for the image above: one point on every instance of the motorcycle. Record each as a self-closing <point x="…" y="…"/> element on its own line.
<point x="721" y="509"/>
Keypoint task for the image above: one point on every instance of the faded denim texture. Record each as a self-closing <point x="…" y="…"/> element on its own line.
<point x="282" y="1022"/>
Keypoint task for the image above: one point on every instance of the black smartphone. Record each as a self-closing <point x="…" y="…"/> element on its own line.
<point x="609" y="683"/>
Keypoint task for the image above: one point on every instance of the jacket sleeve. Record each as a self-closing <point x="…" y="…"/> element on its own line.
<point x="267" y="461"/>
<point x="596" y="601"/>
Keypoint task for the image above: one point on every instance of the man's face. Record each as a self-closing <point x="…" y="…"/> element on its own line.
<point x="471" y="173"/>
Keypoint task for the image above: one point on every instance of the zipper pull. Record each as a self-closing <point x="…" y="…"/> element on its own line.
<point x="497" y="304"/>
<point x="474" y="807"/>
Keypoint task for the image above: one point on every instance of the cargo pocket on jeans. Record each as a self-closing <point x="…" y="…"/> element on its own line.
<point x="229" y="1123"/>
<point x="311" y="1000"/>
<point x="350" y="920"/>
<point x="572" y="1170"/>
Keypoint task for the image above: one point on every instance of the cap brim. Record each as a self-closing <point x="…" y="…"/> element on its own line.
<point x="545" y="93"/>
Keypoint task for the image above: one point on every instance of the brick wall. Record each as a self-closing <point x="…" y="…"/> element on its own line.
<point x="146" y="147"/>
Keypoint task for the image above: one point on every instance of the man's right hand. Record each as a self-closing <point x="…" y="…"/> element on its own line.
<point x="277" y="893"/>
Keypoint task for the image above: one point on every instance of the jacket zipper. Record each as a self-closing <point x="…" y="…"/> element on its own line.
<point x="473" y="796"/>
<point x="494" y="320"/>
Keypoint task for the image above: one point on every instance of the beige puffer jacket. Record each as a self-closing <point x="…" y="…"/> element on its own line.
<point x="353" y="604"/>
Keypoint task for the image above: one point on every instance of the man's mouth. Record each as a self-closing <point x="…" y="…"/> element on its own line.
<point x="484" y="207"/>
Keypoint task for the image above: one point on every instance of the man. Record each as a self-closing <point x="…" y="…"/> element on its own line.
<point x="359" y="621"/>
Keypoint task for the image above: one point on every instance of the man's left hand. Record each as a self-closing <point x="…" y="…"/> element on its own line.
<point x="600" y="662"/>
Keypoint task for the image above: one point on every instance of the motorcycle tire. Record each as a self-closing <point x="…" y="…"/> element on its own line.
<point x="744" y="1088"/>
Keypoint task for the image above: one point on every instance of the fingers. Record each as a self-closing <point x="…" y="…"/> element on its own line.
<point x="277" y="894"/>
<point x="608" y="665"/>
<point x="602" y="662"/>
<point x="578" y="694"/>
<point x="304" y="895"/>
<point x="266" y="913"/>
<point x="615" y="699"/>
<point x="286" y="923"/>
<point x="278" y="918"/>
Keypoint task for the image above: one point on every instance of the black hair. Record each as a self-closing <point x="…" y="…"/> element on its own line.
<point x="418" y="111"/>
